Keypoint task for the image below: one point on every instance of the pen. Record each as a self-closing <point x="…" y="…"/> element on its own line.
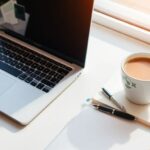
<point x="115" y="112"/>
<point x="110" y="97"/>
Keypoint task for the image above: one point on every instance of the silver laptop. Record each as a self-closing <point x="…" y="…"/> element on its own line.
<point x="43" y="48"/>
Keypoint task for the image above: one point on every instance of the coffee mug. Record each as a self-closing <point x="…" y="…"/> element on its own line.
<point x="136" y="78"/>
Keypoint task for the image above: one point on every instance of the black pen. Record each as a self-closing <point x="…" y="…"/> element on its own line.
<point x="115" y="112"/>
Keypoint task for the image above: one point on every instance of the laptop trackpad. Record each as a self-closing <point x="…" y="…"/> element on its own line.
<point x="6" y="82"/>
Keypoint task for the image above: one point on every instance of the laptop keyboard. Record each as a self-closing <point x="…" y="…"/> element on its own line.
<point x="31" y="67"/>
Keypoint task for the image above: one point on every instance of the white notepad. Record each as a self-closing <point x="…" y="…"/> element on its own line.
<point x="93" y="130"/>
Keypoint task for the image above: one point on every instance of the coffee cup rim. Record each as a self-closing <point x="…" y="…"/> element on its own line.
<point x="131" y="56"/>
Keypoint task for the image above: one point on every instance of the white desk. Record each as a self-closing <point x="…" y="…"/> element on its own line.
<point x="105" y="48"/>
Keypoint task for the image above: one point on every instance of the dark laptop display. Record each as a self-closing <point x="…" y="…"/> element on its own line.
<point x="37" y="21"/>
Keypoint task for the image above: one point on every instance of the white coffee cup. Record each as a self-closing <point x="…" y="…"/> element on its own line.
<point x="136" y="90"/>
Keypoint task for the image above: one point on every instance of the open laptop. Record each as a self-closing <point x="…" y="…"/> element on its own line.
<point x="43" y="48"/>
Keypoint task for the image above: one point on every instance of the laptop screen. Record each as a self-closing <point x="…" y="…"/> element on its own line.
<point x="58" y="27"/>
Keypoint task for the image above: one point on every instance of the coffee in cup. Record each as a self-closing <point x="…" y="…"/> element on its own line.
<point x="136" y="78"/>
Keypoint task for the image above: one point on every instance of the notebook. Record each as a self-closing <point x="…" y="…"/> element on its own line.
<point x="93" y="130"/>
<point x="43" y="47"/>
<point x="115" y="87"/>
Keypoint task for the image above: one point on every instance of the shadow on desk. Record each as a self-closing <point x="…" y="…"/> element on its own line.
<point x="92" y="130"/>
<point x="9" y="124"/>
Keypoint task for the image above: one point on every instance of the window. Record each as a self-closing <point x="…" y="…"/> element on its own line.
<point x="130" y="17"/>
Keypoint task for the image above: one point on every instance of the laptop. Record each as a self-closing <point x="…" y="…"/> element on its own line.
<point x="43" y="47"/>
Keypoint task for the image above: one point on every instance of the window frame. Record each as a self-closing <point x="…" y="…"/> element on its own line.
<point x="106" y="13"/>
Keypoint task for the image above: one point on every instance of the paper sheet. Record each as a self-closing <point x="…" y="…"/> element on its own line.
<point x="93" y="130"/>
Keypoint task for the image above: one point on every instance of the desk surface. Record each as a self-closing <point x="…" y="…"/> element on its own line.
<point x="105" y="48"/>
